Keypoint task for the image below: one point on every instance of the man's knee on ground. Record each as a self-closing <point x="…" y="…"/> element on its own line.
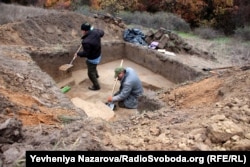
<point x="121" y="104"/>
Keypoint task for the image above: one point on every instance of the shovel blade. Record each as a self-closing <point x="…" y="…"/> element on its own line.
<point x="111" y="105"/>
<point x="65" y="67"/>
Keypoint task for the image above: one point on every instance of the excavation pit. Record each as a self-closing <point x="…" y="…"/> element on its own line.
<point x="156" y="70"/>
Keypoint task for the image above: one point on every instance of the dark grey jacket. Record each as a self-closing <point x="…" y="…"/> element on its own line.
<point x="91" y="43"/>
<point x="130" y="89"/>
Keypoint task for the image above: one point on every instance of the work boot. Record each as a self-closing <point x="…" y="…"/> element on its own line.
<point x="94" y="88"/>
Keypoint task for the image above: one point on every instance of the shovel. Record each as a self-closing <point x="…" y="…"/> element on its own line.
<point x="110" y="104"/>
<point x="65" y="67"/>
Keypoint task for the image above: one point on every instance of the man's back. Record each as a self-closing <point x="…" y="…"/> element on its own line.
<point x="92" y="43"/>
<point x="132" y="80"/>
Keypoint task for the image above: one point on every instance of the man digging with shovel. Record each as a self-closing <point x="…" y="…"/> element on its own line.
<point x="91" y="44"/>
<point x="130" y="88"/>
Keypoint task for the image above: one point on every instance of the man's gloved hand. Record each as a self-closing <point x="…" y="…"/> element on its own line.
<point x="110" y="99"/>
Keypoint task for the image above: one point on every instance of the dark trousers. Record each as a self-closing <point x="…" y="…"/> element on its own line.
<point x="93" y="74"/>
<point x="121" y="104"/>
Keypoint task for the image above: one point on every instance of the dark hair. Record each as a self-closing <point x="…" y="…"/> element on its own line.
<point x="85" y="26"/>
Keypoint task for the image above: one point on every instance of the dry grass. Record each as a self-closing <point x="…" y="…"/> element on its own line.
<point x="207" y="33"/>
<point x="230" y="51"/>
<point x="243" y="33"/>
<point x="161" y="19"/>
<point x="11" y="12"/>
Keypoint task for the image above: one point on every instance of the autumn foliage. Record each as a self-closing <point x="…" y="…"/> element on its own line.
<point x="225" y="15"/>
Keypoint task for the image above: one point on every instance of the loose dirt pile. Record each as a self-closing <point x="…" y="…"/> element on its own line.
<point x="208" y="114"/>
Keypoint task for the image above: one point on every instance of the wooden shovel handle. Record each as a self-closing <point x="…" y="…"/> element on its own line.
<point x="116" y="79"/>
<point x="75" y="55"/>
<point x="78" y="49"/>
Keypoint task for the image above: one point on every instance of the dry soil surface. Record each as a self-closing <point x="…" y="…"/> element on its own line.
<point x="212" y="113"/>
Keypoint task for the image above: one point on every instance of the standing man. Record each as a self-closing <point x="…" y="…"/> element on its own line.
<point x="130" y="88"/>
<point x="91" y="44"/>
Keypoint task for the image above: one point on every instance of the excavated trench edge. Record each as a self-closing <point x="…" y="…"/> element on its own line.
<point x="159" y="63"/>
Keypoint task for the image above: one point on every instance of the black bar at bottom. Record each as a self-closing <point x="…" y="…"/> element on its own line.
<point x="137" y="158"/>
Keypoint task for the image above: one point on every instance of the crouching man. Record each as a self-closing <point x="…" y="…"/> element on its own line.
<point x="130" y="88"/>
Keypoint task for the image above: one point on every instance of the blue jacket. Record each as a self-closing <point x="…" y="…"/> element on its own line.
<point x="130" y="89"/>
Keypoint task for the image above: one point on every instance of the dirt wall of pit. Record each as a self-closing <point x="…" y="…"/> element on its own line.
<point x="160" y="63"/>
<point x="157" y="62"/>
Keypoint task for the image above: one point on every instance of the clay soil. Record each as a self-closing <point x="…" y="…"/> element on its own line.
<point x="189" y="119"/>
